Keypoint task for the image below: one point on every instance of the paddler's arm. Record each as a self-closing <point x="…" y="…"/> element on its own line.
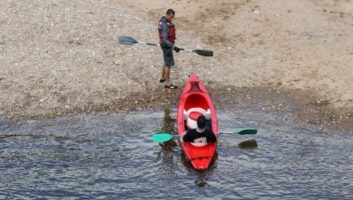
<point x="181" y="138"/>
<point x="211" y="137"/>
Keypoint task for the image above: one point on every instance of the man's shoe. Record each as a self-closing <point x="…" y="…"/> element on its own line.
<point x="171" y="86"/>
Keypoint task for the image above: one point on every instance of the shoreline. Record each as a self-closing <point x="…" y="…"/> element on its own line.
<point x="304" y="105"/>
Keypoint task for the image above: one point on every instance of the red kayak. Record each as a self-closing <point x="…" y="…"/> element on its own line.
<point x="193" y="102"/>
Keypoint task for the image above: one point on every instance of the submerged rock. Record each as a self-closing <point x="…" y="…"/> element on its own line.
<point x="248" y="144"/>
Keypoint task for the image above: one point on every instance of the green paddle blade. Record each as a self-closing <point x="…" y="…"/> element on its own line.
<point x="162" y="137"/>
<point x="247" y="132"/>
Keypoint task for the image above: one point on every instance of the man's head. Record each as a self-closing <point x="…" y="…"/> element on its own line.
<point x="201" y="122"/>
<point x="170" y="14"/>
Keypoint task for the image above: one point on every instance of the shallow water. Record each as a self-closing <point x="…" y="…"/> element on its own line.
<point x="112" y="156"/>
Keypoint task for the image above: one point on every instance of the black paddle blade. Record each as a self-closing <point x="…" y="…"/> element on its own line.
<point x="203" y="52"/>
<point x="127" y="40"/>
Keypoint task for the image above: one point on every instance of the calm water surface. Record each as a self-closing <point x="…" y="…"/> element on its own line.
<point x="112" y="156"/>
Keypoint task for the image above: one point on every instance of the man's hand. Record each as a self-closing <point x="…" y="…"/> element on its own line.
<point x="177" y="49"/>
<point x="181" y="138"/>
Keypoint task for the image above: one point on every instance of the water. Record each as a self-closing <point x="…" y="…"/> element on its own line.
<point x="112" y="157"/>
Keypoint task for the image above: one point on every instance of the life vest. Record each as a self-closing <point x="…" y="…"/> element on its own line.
<point x="171" y="30"/>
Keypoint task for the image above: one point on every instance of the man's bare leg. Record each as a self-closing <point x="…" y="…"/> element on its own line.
<point x="163" y="74"/>
<point x="167" y="75"/>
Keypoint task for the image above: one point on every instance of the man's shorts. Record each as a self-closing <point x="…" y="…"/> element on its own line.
<point x="168" y="56"/>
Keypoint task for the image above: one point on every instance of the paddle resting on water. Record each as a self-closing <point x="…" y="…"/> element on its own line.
<point x="164" y="137"/>
<point x="127" y="40"/>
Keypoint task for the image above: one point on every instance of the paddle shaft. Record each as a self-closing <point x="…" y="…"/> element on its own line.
<point x="163" y="137"/>
<point x="158" y="45"/>
<point x="127" y="40"/>
<point x="244" y="132"/>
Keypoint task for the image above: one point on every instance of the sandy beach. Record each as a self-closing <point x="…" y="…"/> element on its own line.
<point x="62" y="57"/>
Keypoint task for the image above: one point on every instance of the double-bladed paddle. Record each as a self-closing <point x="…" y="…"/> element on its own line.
<point x="164" y="137"/>
<point x="127" y="40"/>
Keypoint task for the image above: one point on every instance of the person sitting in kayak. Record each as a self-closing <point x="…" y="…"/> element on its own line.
<point x="201" y="135"/>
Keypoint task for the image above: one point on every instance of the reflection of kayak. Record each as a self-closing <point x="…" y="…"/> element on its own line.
<point x="193" y="102"/>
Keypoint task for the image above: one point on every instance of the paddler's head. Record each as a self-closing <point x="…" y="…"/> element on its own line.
<point x="170" y="14"/>
<point x="201" y="122"/>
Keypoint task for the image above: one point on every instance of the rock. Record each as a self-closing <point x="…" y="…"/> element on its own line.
<point x="248" y="144"/>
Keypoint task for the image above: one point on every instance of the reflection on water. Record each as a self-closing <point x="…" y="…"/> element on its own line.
<point x="113" y="157"/>
<point x="168" y="121"/>
<point x="201" y="176"/>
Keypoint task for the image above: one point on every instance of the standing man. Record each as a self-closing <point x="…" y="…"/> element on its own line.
<point x="167" y="36"/>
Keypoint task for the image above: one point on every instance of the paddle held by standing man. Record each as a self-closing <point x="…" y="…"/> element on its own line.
<point x="167" y="37"/>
